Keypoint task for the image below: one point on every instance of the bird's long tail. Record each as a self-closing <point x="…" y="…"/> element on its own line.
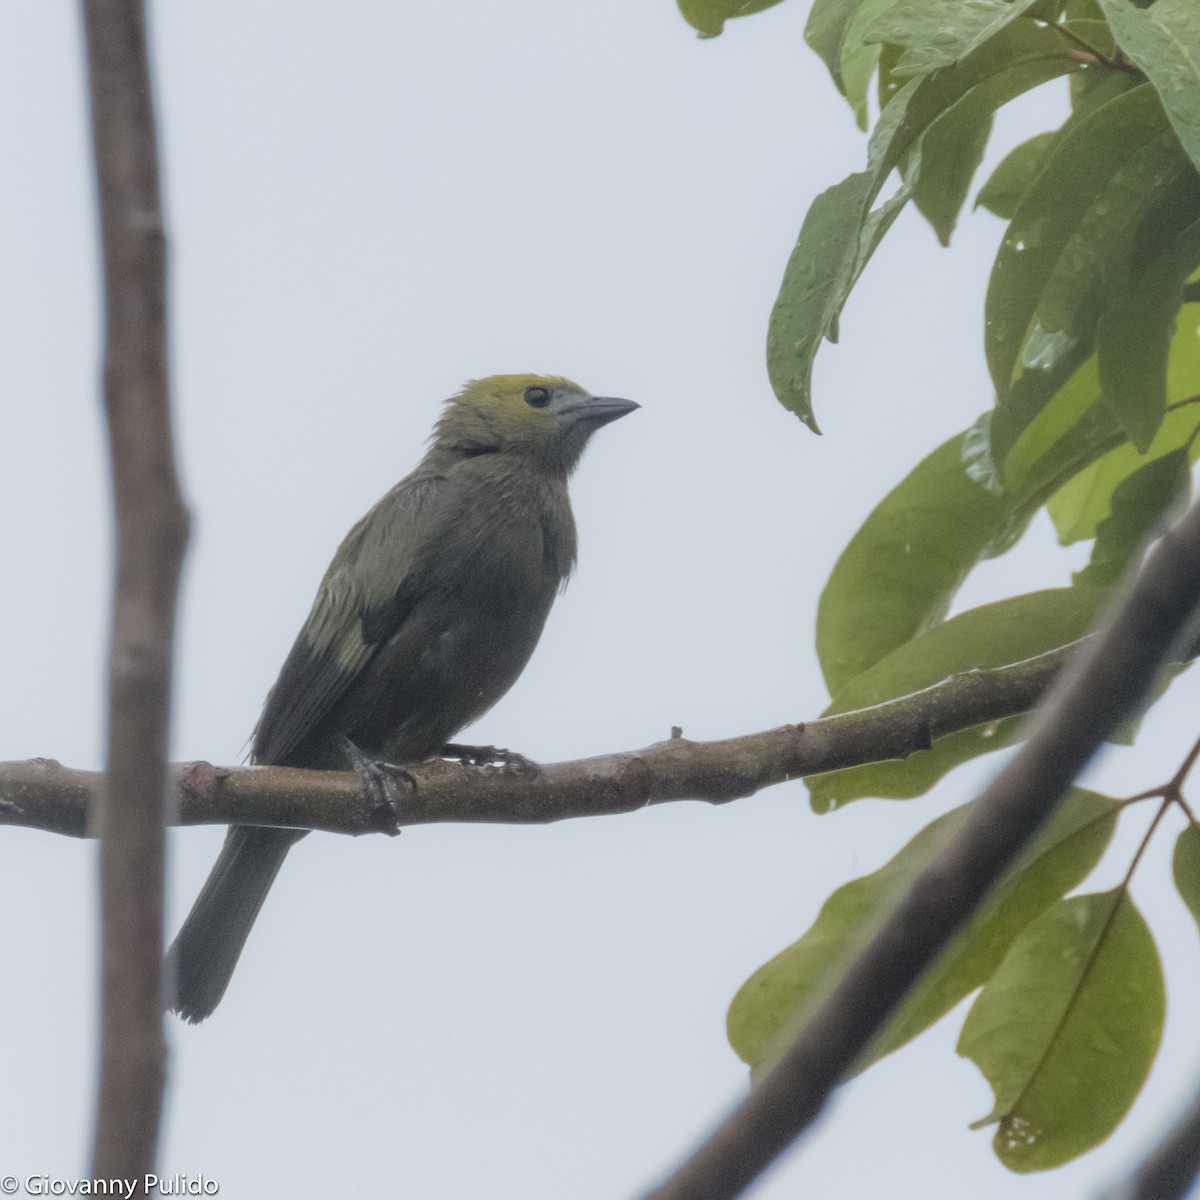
<point x="206" y="949"/>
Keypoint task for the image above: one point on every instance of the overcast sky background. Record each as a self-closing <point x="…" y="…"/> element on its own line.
<point x="368" y="204"/>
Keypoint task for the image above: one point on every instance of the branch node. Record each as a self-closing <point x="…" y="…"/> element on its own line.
<point x="633" y="782"/>
<point x="201" y="780"/>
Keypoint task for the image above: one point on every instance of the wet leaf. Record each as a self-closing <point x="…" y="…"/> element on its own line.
<point x="951" y="152"/>
<point x="841" y="230"/>
<point x="817" y="280"/>
<point x="940" y="33"/>
<point x="774" y="1001"/>
<point x="1164" y="40"/>
<point x="826" y="30"/>
<point x="1069" y="227"/>
<point x="1067" y="1028"/>
<point x="834" y="31"/>
<point x="1094" y="259"/>
<point x="1085" y="499"/>
<point x="1011" y="179"/>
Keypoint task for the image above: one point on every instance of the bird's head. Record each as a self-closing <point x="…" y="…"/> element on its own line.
<point x="543" y="417"/>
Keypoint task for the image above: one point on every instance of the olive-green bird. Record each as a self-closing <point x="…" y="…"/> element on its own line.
<point x="425" y="618"/>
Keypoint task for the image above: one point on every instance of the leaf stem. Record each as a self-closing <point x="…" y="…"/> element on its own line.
<point x="1171" y="792"/>
<point x="1093" y="54"/>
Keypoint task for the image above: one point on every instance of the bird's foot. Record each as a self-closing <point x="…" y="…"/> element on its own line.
<point x="379" y="783"/>
<point x="483" y="756"/>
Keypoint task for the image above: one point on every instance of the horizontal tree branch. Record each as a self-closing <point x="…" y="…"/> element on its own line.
<point x="41" y="794"/>
<point x="1105" y="685"/>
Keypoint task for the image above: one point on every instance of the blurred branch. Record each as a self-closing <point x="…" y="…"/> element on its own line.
<point x="151" y="534"/>
<point x="41" y="794"/>
<point x="1104" y="686"/>
<point x="1168" y="1171"/>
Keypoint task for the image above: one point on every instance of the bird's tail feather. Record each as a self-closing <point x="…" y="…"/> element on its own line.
<point x="206" y="949"/>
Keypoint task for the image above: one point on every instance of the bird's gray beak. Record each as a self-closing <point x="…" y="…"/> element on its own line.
<point x="599" y="410"/>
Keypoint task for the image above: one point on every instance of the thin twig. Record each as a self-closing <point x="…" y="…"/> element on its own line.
<point x="151" y="535"/>
<point x="1105" y="685"/>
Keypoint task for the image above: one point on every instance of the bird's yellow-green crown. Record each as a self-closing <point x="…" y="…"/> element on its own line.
<point x="501" y="405"/>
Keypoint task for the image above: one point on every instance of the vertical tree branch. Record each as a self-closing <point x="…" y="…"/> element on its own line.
<point x="151" y="534"/>
<point x="1104" y="685"/>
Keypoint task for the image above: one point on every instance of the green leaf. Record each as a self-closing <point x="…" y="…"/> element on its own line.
<point x="1084" y="85"/>
<point x="1074" y="225"/>
<point x="772" y="1003"/>
<point x="951" y="152"/>
<point x="1048" y="359"/>
<point x="1186" y="865"/>
<point x="834" y="31"/>
<point x="1055" y="374"/>
<point x="993" y="635"/>
<point x="1183" y="361"/>
<point x="839" y="234"/>
<point x="900" y="572"/>
<point x="817" y="280"/>
<point x="940" y="33"/>
<point x="1094" y="259"/>
<point x="1059" y="859"/>
<point x="859" y="60"/>
<point x="826" y="30"/>
<point x="1063" y="412"/>
<point x="709" y="16"/>
<point x="1079" y="507"/>
<point x="840" y="230"/>
<point x="889" y="83"/>
<point x="1164" y="40"/>
<point x="1085" y="499"/>
<point x="1067" y="445"/>
<point x="1134" y="338"/>
<point x="1138" y="503"/>
<point x="1067" y="1028"/>
<point x="1096" y="34"/>
<point x="1011" y="179"/>
<point x="1010" y="63"/>
<point x="902" y="568"/>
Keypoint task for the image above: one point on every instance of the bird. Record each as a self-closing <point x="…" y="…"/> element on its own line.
<point x="427" y="614"/>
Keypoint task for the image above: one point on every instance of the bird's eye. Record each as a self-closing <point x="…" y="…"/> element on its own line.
<point x="537" y="397"/>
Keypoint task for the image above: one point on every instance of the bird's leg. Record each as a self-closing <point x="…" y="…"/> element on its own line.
<point x="481" y="756"/>
<point x="378" y="780"/>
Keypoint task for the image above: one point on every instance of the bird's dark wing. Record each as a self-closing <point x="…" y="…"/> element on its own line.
<point x="369" y="588"/>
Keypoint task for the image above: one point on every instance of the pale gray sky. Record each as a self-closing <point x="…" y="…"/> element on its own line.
<point x="370" y="202"/>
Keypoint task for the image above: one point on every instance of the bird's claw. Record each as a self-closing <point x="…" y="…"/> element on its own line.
<point x="378" y="782"/>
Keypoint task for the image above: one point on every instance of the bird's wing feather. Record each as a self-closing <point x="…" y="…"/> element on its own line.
<point x="368" y="590"/>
